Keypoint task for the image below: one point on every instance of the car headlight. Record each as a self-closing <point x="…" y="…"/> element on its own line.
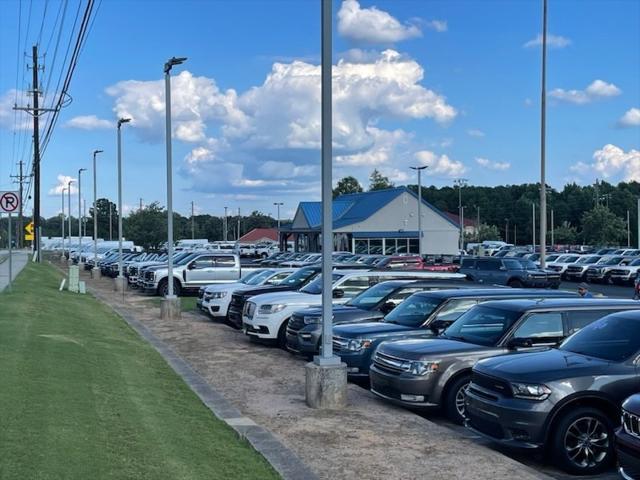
<point x="311" y="319"/>
<point x="358" y="344"/>
<point x="530" y="391"/>
<point x="270" y="309"/>
<point x="423" y="368"/>
<point x="207" y="296"/>
<point x="218" y="295"/>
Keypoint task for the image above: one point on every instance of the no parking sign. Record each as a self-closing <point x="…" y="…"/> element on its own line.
<point x="9" y="202"/>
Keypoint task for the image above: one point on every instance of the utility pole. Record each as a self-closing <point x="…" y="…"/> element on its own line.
<point x="628" y="229"/>
<point x="533" y="229"/>
<point x="20" y="178"/>
<point x="238" y="239"/>
<point x="69" y="210"/>
<point x="515" y="234"/>
<point x="478" y="224"/>
<point x="460" y="182"/>
<point x="193" y="225"/>
<point x="140" y="204"/>
<point x="80" y="215"/>
<point x="552" y="230"/>
<point x="62" y="222"/>
<point x="506" y="230"/>
<point x="543" y="119"/>
<point x="419" y="170"/>
<point x="110" y="221"/>
<point x="224" y="225"/>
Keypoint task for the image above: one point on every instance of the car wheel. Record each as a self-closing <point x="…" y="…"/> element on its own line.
<point x="264" y="255"/>
<point x="163" y="288"/>
<point x="454" y="399"/>
<point x="583" y="442"/>
<point x="515" y="284"/>
<point x="282" y="335"/>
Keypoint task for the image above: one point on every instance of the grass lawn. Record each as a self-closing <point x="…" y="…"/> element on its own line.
<point x="83" y="397"/>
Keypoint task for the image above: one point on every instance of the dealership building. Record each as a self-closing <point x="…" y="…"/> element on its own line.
<point x="382" y="221"/>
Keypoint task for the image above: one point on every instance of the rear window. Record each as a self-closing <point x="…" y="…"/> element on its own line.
<point x="482" y="325"/>
<point x="613" y="338"/>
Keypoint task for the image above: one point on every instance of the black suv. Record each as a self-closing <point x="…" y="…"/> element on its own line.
<point x="436" y="372"/>
<point x="304" y="329"/>
<point x="421" y="315"/>
<point x="510" y="271"/>
<point x="628" y="439"/>
<point x="566" y="399"/>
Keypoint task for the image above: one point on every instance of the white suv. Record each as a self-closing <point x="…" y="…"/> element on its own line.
<point x="266" y="316"/>
<point x="215" y="299"/>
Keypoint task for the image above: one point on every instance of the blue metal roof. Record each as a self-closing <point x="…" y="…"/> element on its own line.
<point x="313" y="211"/>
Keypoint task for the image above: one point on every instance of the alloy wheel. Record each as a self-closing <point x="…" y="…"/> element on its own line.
<point x="586" y="442"/>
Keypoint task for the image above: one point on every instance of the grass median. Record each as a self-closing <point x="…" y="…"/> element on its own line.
<point x="82" y="396"/>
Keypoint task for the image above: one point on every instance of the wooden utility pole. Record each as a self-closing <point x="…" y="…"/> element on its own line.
<point x="20" y="179"/>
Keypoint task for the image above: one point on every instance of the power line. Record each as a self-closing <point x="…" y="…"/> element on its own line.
<point x="44" y="17"/>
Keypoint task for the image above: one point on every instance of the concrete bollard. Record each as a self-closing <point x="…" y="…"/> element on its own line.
<point x="120" y="284"/>
<point x="170" y="308"/>
<point x="326" y="386"/>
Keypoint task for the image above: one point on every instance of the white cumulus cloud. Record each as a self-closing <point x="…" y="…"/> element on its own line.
<point x="474" y="132"/>
<point x="89" y="122"/>
<point x="373" y="26"/>
<point x="598" y="89"/>
<point x="631" y="118"/>
<point x="440" y="165"/>
<point x="491" y="165"/>
<point x="7" y="114"/>
<point x="611" y="160"/>
<point x="63" y="182"/>
<point x="553" y="41"/>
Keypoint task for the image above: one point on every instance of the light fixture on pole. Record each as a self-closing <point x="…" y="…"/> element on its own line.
<point x="119" y="282"/>
<point x="80" y="215"/>
<point x="170" y="307"/>
<point x="278" y="205"/>
<point x="62" y="257"/>
<point x="419" y="169"/>
<point x="543" y="117"/>
<point x="96" y="270"/>
<point x="460" y="182"/>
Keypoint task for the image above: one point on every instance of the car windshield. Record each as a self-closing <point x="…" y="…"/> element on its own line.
<point x="255" y="277"/>
<point x="413" y="311"/>
<point x="482" y="325"/>
<point x="186" y="259"/>
<point x="372" y="296"/>
<point x="614" y="338"/>
<point x="635" y="263"/>
<point x="552" y="258"/>
<point x="528" y="265"/>
<point x="613" y="261"/>
<point x="299" y="278"/>
<point x="315" y="287"/>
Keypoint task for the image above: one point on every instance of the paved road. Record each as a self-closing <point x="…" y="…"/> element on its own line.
<point x="20" y="258"/>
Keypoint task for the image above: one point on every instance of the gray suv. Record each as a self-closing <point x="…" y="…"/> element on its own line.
<point x="566" y="399"/>
<point x="510" y="271"/>
<point x="436" y="372"/>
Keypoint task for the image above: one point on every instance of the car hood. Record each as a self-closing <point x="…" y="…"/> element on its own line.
<point x="370" y="329"/>
<point x="545" y="365"/>
<point x="249" y="292"/>
<point x="417" y="349"/>
<point x="224" y="287"/>
<point x="288" y="298"/>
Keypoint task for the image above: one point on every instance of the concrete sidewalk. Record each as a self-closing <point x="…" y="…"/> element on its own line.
<point x="20" y="259"/>
<point x="368" y="440"/>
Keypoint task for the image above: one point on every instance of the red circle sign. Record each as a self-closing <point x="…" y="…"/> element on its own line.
<point x="9" y="202"/>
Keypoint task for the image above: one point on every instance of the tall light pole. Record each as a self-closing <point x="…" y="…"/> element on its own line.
<point x="419" y="170"/>
<point x="80" y="215"/>
<point x="506" y="230"/>
<point x="69" y="210"/>
<point x="171" y="304"/>
<point x="278" y="205"/>
<point x="628" y="229"/>
<point x="460" y="182"/>
<point x="543" y="118"/>
<point x="119" y="281"/>
<point x="110" y="221"/>
<point x="533" y="223"/>
<point x="553" y="240"/>
<point x="64" y="189"/>
<point x="224" y="225"/>
<point x="193" y="225"/>
<point x="95" y="270"/>
<point x="238" y="237"/>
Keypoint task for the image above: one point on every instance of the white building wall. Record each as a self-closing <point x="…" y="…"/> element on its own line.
<point x="299" y="221"/>
<point x="439" y="235"/>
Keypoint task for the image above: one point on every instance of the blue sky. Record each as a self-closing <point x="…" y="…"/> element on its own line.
<point x="450" y="84"/>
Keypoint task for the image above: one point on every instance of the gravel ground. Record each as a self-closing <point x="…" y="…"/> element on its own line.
<point x="367" y="440"/>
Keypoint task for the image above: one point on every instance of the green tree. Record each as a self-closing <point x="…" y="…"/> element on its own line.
<point x="485" y="232"/>
<point x="147" y="227"/>
<point x="377" y="181"/>
<point x="347" y="185"/>
<point x="565" y="234"/>
<point x="600" y="226"/>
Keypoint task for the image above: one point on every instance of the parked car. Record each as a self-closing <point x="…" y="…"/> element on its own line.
<point x="401" y="262"/>
<point x="265" y="317"/>
<point x="560" y="264"/>
<point x="304" y="330"/>
<point x="193" y="272"/>
<point x="601" y="272"/>
<point x="565" y="400"/>
<point x="513" y="272"/>
<point x="628" y="439"/>
<point x="422" y="315"/>
<point x="436" y="372"/>
<point x="625" y="275"/>
<point x="578" y="271"/>
<point x="215" y="299"/>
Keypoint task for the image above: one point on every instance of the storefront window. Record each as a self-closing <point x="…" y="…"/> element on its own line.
<point x="414" y="246"/>
<point x="375" y="246"/>
<point x="362" y="246"/>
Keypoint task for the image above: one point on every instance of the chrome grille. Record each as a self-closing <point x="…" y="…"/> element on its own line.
<point x="390" y="363"/>
<point x="340" y="344"/>
<point x="249" y="309"/>
<point x="631" y="423"/>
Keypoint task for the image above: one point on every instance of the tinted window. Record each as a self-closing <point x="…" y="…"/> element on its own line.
<point x="577" y="320"/>
<point x="225" y="261"/>
<point x="487" y="265"/>
<point x="468" y="263"/>
<point x="482" y="325"/>
<point x="353" y="286"/>
<point x="315" y="287"/>
<point x="299" y="278"/>
<point x="413" y="311"/>
<point x="611" y="338"/>
<point x="541" y="325"/>
<point x="277" y="278"/>
<point x="512" y="264"/>
<point x="256" y="278"/>
<point x="372" y="296"/>
<point x="203" y="262"/>
<point x="454" y="308"/>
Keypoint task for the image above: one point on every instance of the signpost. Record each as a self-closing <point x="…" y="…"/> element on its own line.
<point x="9" y="203"/>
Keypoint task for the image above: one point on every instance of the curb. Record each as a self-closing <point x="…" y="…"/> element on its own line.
<point x="281" y="458"/>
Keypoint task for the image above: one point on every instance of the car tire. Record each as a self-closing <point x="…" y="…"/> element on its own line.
<point x="567" y="434"/>
<point x="454" y="399"/>
<point x="264" y="255"/>
<point x="282" y="335"/>
<point x="163" y="287"/>
<point x="515" y="283"/>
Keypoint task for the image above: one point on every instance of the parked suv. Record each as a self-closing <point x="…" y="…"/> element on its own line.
<point x="628" y="439"/>
<point x="304" y="330"/>
<point x="566" y="399"/>
<point x="625" y="275"/>
<point x="420" y="316"/>
<point x="514" y="272"/>
<point x="602" y="271"/>
<point x="200" y="269"/>
<point x="436" y="372"/>
<point x="578" y="271"/>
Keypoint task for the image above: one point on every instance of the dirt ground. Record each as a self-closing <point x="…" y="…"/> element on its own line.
<point x="368" y="440"/>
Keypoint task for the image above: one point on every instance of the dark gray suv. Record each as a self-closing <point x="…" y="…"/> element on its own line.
<point x="429" y="373"/>
<point x="566" y="399"/>
<point x="510" y="271"/>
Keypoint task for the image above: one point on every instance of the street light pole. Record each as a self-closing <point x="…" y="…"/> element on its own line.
<point x="193" y="225"/>
<point x="95" y="270"/>
<point x="419" y="169"/>
<point x="278" y="205"/>
<point x="69" y="210"/>
<point x="533" y="229"/>
<point x="460" y="182"/>
<point x="543" y="117"/>
<point x="224" y="225"/>
<point x="64" y="189"/>
<point x="119" y="281"/>
<point x="170" y="307"/>
<point x="80" y="215"/>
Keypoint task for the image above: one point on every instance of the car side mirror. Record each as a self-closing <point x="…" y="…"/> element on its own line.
<point x="192" y="266"/>
<point x="520" y="343"/>
<point x="503" y="268"/>
<point x="338" y="293"/>
<point x="387" y="307"/>
<point x="437" y="326"/>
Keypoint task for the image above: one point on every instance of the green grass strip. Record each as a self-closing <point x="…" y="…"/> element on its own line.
<point x="83" y="397"/>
